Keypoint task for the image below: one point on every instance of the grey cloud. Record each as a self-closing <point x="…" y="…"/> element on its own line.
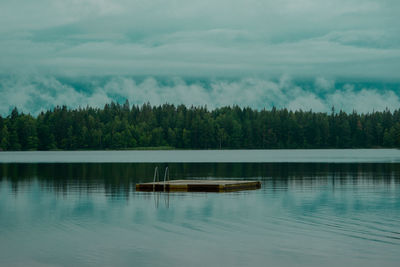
<point x="366" y="38"/>
<point x="303" y="38"/>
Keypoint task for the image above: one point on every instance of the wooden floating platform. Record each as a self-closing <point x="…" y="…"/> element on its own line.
<point x="198" y="186"/>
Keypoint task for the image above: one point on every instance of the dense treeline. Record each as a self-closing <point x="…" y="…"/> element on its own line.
<point x="123" y="126"/>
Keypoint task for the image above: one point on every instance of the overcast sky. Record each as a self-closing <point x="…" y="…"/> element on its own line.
<point x="321" y="40"/>
<point x="340" y="38"/>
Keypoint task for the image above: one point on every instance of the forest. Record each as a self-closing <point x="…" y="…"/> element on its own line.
<point x="125" y="126"/>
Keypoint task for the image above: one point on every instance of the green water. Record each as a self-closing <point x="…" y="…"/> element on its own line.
<point x="305" y="214"/>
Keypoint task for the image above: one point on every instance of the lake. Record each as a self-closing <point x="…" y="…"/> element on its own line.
<point x="81" y="209"/>
<point x="192" y="156"/>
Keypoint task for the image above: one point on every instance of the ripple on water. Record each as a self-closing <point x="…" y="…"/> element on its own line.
<point x="301" y="219"/>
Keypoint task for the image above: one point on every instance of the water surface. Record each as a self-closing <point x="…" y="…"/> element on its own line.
<point x="305" y="214"/>
<point x="281" y="155"/>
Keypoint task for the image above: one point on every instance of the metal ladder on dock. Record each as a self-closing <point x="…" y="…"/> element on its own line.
<point x="157" y="175"/>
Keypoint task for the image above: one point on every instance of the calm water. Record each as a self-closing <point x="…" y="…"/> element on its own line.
<point x="179" y="156"/>
<point x="305" y="214"/>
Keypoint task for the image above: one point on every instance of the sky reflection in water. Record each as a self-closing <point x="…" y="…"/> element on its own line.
<point x="305" y="214"/>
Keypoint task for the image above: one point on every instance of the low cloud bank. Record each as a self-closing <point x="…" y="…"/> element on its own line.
<point x="32" y="94"/>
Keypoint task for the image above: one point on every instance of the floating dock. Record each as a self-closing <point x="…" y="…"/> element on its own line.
<point x="198" y="186"/>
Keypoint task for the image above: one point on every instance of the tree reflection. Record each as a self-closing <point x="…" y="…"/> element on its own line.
<point x="119" y="179"/>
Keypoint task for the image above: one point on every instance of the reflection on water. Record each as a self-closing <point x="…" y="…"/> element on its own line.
<point x="118" y="179"/>
<point x="305" y="214"/>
